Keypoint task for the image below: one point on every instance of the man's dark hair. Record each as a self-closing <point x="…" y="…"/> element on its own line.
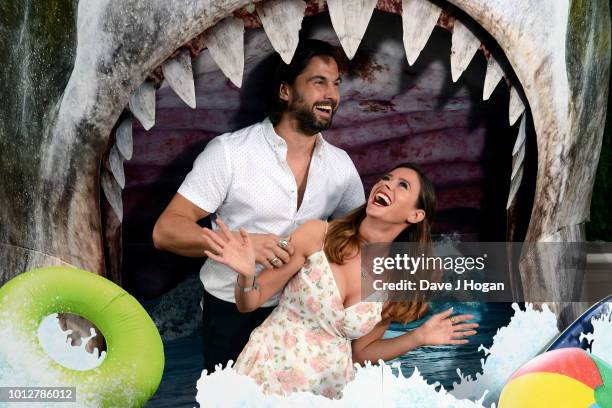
<point x="305" y="51"/>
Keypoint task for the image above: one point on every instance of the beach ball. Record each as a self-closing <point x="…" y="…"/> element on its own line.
<point x="567" y="377"/>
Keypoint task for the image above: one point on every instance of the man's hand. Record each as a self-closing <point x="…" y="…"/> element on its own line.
<point x="267" y="248"/>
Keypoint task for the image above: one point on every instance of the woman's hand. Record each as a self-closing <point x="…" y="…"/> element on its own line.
<point x="443" y="329"/>
<point x="235" y="252"/>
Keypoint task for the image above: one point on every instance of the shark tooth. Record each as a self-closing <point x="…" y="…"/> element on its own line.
<point x="517" y="161"/>
<point x="492" y="77"/>
<point x="225" y="42"/>
<point x="123" y="138"/>
<point x="419" y="17"/>
<point x="142" y="104"/>
<point x="116" y="165"/>
<point x="515" y="183"/>
<point x="464" y="46"/>
<point x="516" y="106"/>
<point x="179" y="75"/>
<point x="112" y="192"/>
<point x="520" y="138"/>
<point x="518" y="153"/>
<point x="350" y="20"/>
<point x="282" y="20"/>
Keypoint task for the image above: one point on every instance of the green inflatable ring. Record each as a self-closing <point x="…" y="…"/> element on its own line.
<point x="134" y="362"/>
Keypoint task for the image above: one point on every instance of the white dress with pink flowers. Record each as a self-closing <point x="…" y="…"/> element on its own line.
<point x="305" y="344"/>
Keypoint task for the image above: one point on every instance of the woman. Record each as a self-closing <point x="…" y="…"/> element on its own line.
<point x="305" y="344"/>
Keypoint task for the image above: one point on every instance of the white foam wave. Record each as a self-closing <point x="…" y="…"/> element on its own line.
<point x="24" y="362"/>
<point x="601" y="338"/>
<point x="376" y="385"/>
<point x="528" y="332"/>
<point x="57" y="345"/>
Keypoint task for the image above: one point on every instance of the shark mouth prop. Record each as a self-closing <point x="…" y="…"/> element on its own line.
<point x="63" y="149"/>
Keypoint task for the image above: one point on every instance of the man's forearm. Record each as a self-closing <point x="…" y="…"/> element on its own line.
<point x="181" y="236"/>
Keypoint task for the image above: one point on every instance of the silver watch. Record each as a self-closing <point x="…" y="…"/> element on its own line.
<point x="244" y="289"/>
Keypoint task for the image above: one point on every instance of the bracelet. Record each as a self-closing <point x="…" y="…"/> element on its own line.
<point x="244" y="289"/>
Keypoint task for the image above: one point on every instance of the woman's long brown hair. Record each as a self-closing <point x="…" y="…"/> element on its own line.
<point x="344" y="241"/>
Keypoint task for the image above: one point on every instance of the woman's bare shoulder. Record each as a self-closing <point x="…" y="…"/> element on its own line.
<point x="308" y="237"/>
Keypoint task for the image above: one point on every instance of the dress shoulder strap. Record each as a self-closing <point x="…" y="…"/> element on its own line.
<point x="324" y="235"/>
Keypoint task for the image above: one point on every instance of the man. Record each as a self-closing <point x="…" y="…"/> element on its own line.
<point x="267" y="178"/>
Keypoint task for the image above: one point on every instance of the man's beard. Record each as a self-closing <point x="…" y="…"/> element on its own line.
<point x="307" y="121"/>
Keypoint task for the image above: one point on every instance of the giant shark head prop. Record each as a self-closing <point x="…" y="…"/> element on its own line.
<point x="96" y="64"/>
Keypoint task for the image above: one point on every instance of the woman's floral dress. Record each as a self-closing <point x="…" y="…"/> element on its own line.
<point x="305" y="344"/>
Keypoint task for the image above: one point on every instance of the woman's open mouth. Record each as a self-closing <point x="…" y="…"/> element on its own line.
<point x="382" y="200"/>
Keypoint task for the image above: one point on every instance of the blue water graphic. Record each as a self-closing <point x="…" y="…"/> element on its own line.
<point x="440" y="363"/>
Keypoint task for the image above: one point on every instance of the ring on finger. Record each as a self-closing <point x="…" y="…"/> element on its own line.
<point x="283" y="243"/>
<point x="276" y="262"/>
<point x="452" y="319"/>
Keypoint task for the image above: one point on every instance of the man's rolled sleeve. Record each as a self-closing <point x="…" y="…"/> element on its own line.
<point x="208" y="182"/>
<point x="353" y="195"/>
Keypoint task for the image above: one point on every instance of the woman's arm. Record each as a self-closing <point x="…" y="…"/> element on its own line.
<point x="372" y="347"/>
<point x="238" y="255"/>
<point x="439" y="329"/>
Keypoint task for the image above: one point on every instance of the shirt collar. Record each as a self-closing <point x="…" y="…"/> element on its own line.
<point x="278" y="144"/>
